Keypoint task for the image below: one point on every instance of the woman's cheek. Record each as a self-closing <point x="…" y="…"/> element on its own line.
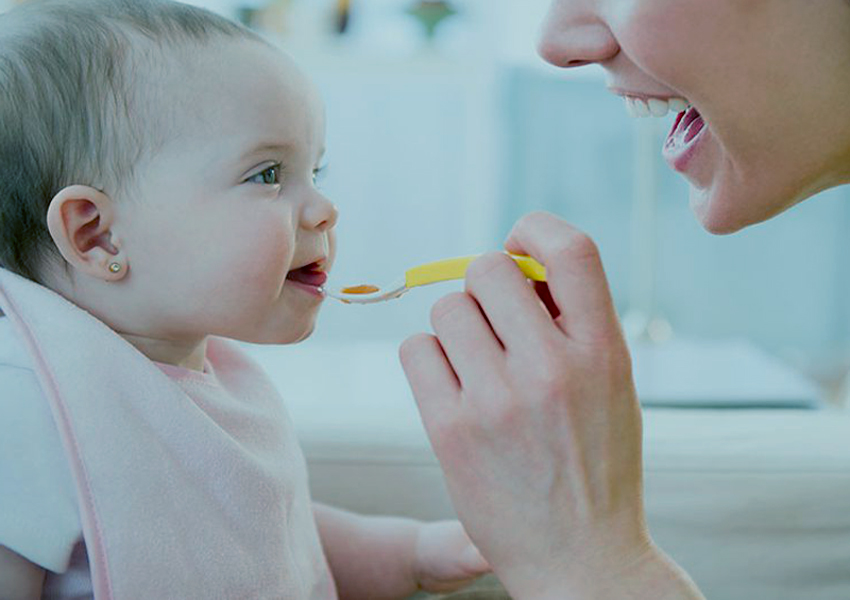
<point x="658" y="37"/>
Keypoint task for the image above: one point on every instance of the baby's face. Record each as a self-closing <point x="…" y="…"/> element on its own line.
<point x="226" y="233"/>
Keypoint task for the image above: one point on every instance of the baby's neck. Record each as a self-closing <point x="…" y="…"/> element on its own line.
<point x="187" y="356"/>
<point x="89" y="295"/>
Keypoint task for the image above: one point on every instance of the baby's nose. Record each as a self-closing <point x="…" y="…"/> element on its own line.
<point x="319" y="214"/>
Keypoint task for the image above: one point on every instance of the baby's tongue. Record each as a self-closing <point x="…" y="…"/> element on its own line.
<point x="308" y="276"/>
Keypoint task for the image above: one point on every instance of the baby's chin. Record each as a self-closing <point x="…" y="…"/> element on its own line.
<point x="280" y="338"/>
<point x="306" y="334"/>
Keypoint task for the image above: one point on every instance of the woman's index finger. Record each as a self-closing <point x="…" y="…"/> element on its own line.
<point x="576" y="277"/>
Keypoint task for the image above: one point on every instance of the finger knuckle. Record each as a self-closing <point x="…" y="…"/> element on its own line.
<point x="548" y="372"/>
<point x="503" y="418"/>
<point x="486" y="264"/>
<point x="616" y="359"/>
<point x="443" y="428"/>
<point x="449" y="306"/>
<point x="549" y="377"/>
<point x="534" y="217"/>
<point x="577" y="246"/>
<point x="528" y="223"/>
<point x="496" y="393"/>
<point x="448" y="431"/>
<point x="412" y="346"/>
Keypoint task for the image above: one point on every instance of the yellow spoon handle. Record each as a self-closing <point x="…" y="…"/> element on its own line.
<point x="455" y="268"/>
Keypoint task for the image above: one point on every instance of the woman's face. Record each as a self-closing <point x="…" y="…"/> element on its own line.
<point x="768" y="80"/>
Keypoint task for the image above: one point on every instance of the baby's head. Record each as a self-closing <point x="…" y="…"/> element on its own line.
<point x="157" y="168"/>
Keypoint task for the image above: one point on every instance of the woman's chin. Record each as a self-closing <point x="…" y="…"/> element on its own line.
<point x="734" y="199"/>
<point x="717" y="212"/>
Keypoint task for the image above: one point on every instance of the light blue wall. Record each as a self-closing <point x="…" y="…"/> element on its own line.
<point x="433" y="157"/>
<point x="411" y="160"/>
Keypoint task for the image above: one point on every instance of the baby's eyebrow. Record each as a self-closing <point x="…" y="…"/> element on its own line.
<point x="266" y="147"/>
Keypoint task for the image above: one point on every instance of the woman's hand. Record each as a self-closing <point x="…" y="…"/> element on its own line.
<point x="445" y="558"/>
<point x="527" y="396"/>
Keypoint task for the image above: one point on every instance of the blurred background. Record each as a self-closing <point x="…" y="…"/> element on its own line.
<point x="444" y="127"/>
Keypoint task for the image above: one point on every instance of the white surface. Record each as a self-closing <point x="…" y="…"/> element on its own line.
<point x="368" y="374"/>
<point x="728" y="373"/>
<point x="753" y="503"/>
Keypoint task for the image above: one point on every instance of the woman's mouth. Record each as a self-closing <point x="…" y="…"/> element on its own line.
<point x="653" y="107"/>
<point x="689" y="147"/>
<point x="683" y="140"/>
<point x="310" y="277"/>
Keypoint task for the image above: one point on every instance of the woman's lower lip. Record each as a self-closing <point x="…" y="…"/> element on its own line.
<point x="683" y="141"/>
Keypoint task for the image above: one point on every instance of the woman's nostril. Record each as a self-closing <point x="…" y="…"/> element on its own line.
<point x="577" y="42"/>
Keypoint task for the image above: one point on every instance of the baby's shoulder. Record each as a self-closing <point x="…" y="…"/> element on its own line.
<point x="13" y="354"/>
<point x="19" y="387"/>
<point x="39" y="519"/>
<point x="26" y="419"/>
<point x="25" y="414"/>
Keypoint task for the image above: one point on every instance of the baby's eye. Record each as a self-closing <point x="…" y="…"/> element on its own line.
<point x="270" y="176"/>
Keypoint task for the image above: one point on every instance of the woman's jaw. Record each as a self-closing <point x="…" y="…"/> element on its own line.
<point x="690" y="149"/>
<point x="734" y="181"/>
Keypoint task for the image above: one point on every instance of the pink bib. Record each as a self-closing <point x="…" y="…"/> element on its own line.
<point x="179" y="498"/>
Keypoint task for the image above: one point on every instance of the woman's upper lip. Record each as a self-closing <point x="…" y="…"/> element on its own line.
<point x="643" y="95"/>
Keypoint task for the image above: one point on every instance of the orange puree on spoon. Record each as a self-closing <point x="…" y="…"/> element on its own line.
<point x="361" y="289"/>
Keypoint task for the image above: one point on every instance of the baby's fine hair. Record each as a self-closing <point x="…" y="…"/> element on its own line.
<point x="78" y="84"/>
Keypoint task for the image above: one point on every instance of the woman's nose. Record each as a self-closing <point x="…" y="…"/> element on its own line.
<point x="319" y="213"/>
<point x="574" y="35"/>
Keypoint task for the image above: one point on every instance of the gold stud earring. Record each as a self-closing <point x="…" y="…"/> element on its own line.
<point x="115" y="267"/>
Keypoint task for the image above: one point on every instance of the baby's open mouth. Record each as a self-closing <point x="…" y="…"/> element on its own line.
<point x="313" y="274"/>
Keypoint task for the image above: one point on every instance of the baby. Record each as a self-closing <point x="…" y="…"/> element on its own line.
<point x="158" y="194"/>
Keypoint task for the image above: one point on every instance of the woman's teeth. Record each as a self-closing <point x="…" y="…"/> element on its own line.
<point x="654" y="107"/>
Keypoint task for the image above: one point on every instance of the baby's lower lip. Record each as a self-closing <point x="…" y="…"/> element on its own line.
<point x="308" y="277"/>
<point x="309" y="280"/>
<point x="313" y="290"/>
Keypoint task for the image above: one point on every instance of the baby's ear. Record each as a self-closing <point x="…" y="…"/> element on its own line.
<point x="80" y="220"/>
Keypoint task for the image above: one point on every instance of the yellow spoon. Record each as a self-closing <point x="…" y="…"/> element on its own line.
<point x="433" y="272"/>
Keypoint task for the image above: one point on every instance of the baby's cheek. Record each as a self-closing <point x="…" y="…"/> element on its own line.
<point x="262" y="264"/>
